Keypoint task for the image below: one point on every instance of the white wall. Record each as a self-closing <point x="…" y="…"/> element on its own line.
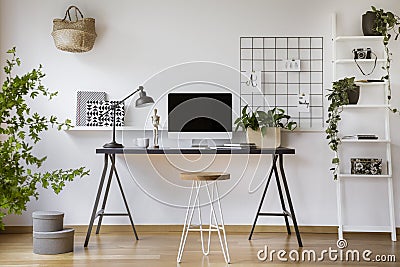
<point x="138" y="39"/>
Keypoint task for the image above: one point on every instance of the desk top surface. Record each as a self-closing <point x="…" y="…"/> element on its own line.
<point x="135" y="150"/>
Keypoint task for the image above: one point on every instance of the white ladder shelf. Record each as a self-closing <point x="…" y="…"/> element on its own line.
<point x="383" y="108"/>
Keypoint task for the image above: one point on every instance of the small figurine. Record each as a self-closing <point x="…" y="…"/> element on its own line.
<point x="156" y="122"/>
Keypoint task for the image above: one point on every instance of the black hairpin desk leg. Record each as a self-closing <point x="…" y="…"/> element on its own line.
<point x="101" y="213"/>
<point x="284" y="213"/>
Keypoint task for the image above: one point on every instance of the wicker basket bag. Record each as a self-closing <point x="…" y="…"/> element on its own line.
<point x="74" y="36"/>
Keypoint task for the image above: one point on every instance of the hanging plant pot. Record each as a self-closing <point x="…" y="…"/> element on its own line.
<point x="369" y="24"/>
<point x="353" y="95"/>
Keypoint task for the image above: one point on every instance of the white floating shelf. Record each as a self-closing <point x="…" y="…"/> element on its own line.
<point x="370" y="83"/>
<point x="347" y="175"/>
<point x="365" y="141"/>
<point x="359" y="37"/>
<point x="379" y="60"/>
<point x="109" y="128"/>
<point x="365" y="106"/>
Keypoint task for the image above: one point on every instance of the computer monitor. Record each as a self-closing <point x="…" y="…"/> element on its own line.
<point x="200" y="115"/>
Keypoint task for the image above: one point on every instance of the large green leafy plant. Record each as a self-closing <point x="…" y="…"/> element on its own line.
<point x="386" y="23"/>
<point x="275" y="117"/>
<point x="20" y="129"/>
<point x="338" y="97"/>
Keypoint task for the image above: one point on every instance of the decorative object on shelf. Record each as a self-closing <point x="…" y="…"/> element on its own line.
<point x="21" y="130"/>
<point x="338" y="97"/>
<point x="142" y="101"/>
<point x="366" y="166"/>
<point x="364" y="53"/>
<point x="156" y="122"/>
<point x="95" y="110"/>
<point x="82" y="97"/>
<point x="74" y="36"/>
<point x="386" y="22"/>
<point x="264" y="128"/>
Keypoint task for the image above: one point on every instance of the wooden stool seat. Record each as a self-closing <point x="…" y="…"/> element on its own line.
<point x="205" y="176"/>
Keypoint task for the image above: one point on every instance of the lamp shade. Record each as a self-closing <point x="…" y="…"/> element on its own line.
<point x="143" y="99"/>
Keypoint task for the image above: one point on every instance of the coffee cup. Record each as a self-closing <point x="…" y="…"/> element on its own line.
<point x="142" y="142"/>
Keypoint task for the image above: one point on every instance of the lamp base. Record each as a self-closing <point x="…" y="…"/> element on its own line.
<point x="113" y="144"/>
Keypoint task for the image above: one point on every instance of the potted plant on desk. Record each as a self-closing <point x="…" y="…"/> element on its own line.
<point x="264" y="128"/>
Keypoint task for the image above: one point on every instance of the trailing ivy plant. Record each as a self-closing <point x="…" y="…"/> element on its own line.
<point x="386" y="23"/>
<point x="20" y="129"/>
<point x="275" y="117"/>
<point x="338" y="97"/>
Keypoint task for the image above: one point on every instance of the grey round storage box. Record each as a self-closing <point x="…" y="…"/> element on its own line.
<point x="53" y="242"/>
<point x="47" y="221"/>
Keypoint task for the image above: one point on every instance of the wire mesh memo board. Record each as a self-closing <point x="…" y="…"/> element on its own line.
<point x="284" y="72"/>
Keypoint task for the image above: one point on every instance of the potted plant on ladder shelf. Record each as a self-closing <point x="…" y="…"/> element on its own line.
<point x="383" y="23"/>
<point x="339" y="96"/>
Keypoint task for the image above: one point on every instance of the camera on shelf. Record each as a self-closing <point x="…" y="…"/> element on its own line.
<point x="362" y="53"/>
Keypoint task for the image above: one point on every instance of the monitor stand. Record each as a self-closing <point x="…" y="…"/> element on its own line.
<point x="209" y="142"/>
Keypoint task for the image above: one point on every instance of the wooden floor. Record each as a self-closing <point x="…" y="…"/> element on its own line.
<point x="160" y="249"/>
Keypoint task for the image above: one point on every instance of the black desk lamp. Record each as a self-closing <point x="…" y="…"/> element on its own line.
<point x="142" y="101"/>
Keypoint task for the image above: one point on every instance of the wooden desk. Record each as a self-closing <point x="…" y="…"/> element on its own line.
<point x="277" y="157"/>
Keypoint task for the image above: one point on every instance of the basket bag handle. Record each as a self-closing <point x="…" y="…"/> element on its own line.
<point x="76" y="13"/>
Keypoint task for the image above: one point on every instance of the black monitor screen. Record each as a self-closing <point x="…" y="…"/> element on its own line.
<point x="200" y="112"/>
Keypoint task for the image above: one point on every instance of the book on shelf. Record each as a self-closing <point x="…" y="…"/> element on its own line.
<point x="82" y="97"/>
<point x="366" y="136"/>
<point x="360" y="137"/>
<point x="370" y="81"/>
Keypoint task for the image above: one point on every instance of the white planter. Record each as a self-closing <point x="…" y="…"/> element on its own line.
<point x="271" y="139"/>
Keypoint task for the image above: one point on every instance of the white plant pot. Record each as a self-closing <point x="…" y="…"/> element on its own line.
<point x="271" y="139"/>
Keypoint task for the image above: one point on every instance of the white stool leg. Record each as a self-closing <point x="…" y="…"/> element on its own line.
<point x="224" y="251"/>
<point x="222" y="223"/>
<point x="210" y="226"/>
<point x="188" y="220"/>
<point x="200" y="222"/>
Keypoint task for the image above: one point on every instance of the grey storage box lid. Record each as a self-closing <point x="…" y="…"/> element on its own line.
<point x="47" y="221"/>
<point x="47" y="215"/>
<point x="48" y="243"/>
